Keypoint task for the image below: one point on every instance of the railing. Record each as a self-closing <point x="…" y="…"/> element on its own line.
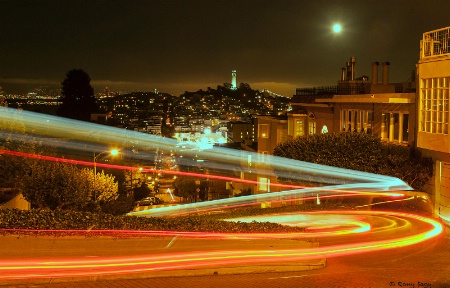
<point x="329" y="91"/>
<point x="435" y="43"/>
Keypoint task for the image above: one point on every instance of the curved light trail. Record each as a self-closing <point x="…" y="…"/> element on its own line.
<point x="84" y="136"/>
<point x="393" y="225"/>
<point x="356" y="232"/>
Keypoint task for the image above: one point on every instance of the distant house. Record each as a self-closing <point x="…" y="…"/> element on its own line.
<point x="354" y="105"/>
<point x="16" y="202"/>
<point x="239" y="132"/>
<point x="357" y="105"/>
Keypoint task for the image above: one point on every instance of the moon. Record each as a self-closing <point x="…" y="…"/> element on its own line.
<point x="337" y="28"/>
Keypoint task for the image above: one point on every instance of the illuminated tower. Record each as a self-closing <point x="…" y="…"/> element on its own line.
<point x="233" y="79"/>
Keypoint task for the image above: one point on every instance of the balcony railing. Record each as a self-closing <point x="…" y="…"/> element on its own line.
<point x="435" y="43"/>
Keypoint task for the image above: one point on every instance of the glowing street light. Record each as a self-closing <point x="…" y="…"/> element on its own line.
<point x="112" y="152"/>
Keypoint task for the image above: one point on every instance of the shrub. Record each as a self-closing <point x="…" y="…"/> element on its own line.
<point x="72" y="220"/>
<point x="356" y="151"/>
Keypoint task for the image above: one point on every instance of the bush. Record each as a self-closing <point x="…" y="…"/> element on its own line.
<point x="72" y="220"/>
<point x="123" y="204"/>
<point x="356" y="151"/>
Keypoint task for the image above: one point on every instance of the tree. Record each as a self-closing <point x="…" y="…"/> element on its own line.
<point x="56" y="185"/>
<point x="104" y="186"/>
<point x="141" y="192"/>
<point x="13" y="137"/>
<point x="185" y="187"/>
<point x="78" y="101"/>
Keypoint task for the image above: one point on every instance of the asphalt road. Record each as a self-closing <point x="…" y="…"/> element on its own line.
<point x="425" y="264"/>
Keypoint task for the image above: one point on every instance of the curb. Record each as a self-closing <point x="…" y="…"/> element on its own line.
<point x="222" y="270"/>
<point x="142" y="208"/>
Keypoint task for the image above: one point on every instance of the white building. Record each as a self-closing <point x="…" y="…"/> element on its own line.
<point x="233" y="80"/>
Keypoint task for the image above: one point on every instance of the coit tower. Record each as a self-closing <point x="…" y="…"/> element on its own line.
<point x="233" y="79"/>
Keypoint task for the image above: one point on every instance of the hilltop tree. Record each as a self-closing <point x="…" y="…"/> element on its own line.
<point x="78" y="101"/>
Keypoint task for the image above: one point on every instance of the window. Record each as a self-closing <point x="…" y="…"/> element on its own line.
<point x="394" y="126"/>
<point x="356" y="120"/>
<point x="311" y="124"/>
<point x="264" y="184"/>
<point x="434" y="98"/>
<point x="263" y="130"/>
<point x="298" y="128"/>
<point x="405" y="128"/>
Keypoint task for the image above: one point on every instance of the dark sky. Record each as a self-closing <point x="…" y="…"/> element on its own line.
<point x="178" y="45"/>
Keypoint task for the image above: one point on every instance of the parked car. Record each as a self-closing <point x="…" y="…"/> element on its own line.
<point x="150" y="201"/>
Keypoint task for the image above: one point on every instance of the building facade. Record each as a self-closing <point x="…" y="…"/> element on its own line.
<point x="433" y="74"/>
<point x="357" y="105"/>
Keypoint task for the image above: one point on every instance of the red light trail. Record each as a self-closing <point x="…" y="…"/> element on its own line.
<point x="352" y="231"/>
<point x="392" y="225"/>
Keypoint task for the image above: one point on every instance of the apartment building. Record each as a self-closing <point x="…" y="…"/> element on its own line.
<point x="433" y="74"/>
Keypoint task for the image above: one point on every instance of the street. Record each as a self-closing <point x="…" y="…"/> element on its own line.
<point x="426" y="264"/>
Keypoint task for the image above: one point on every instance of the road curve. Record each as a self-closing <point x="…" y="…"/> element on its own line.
<point x="340" y="233"/>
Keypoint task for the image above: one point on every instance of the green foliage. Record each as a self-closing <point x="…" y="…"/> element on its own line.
<point x="185" y="187"/>
<point x="13" y="137"/>
<point x="103" y="185"/>
<point x="122" y="205"/>
<point x="359" y="151"/>
<point x="55" y="185"/>
<point x="206" y="222"/>
<point x="60" y="220"/>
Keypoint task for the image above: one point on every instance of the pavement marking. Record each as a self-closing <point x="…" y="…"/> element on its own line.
<point x="171" y="242"/>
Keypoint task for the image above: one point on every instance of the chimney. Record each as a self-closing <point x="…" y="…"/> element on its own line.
<point x="386" y="73"/>
<point x="343" y="74"/>
<point x="351" y="69"/>
<point x="375" y="72"/>
<point x="353" y="61"/>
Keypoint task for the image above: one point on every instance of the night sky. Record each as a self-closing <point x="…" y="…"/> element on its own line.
<point x="178" y="45"/>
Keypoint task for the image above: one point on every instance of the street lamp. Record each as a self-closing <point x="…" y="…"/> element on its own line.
<point x="112" y="152"/>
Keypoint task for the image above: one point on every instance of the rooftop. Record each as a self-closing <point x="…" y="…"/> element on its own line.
<point x="435" y="43"/>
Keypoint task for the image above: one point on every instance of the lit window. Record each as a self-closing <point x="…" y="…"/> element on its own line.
<point x="434" y="98"/>
<point x="298" y="128"/>
<point x="264" y="184"/>
<point x="263" y="130"/>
